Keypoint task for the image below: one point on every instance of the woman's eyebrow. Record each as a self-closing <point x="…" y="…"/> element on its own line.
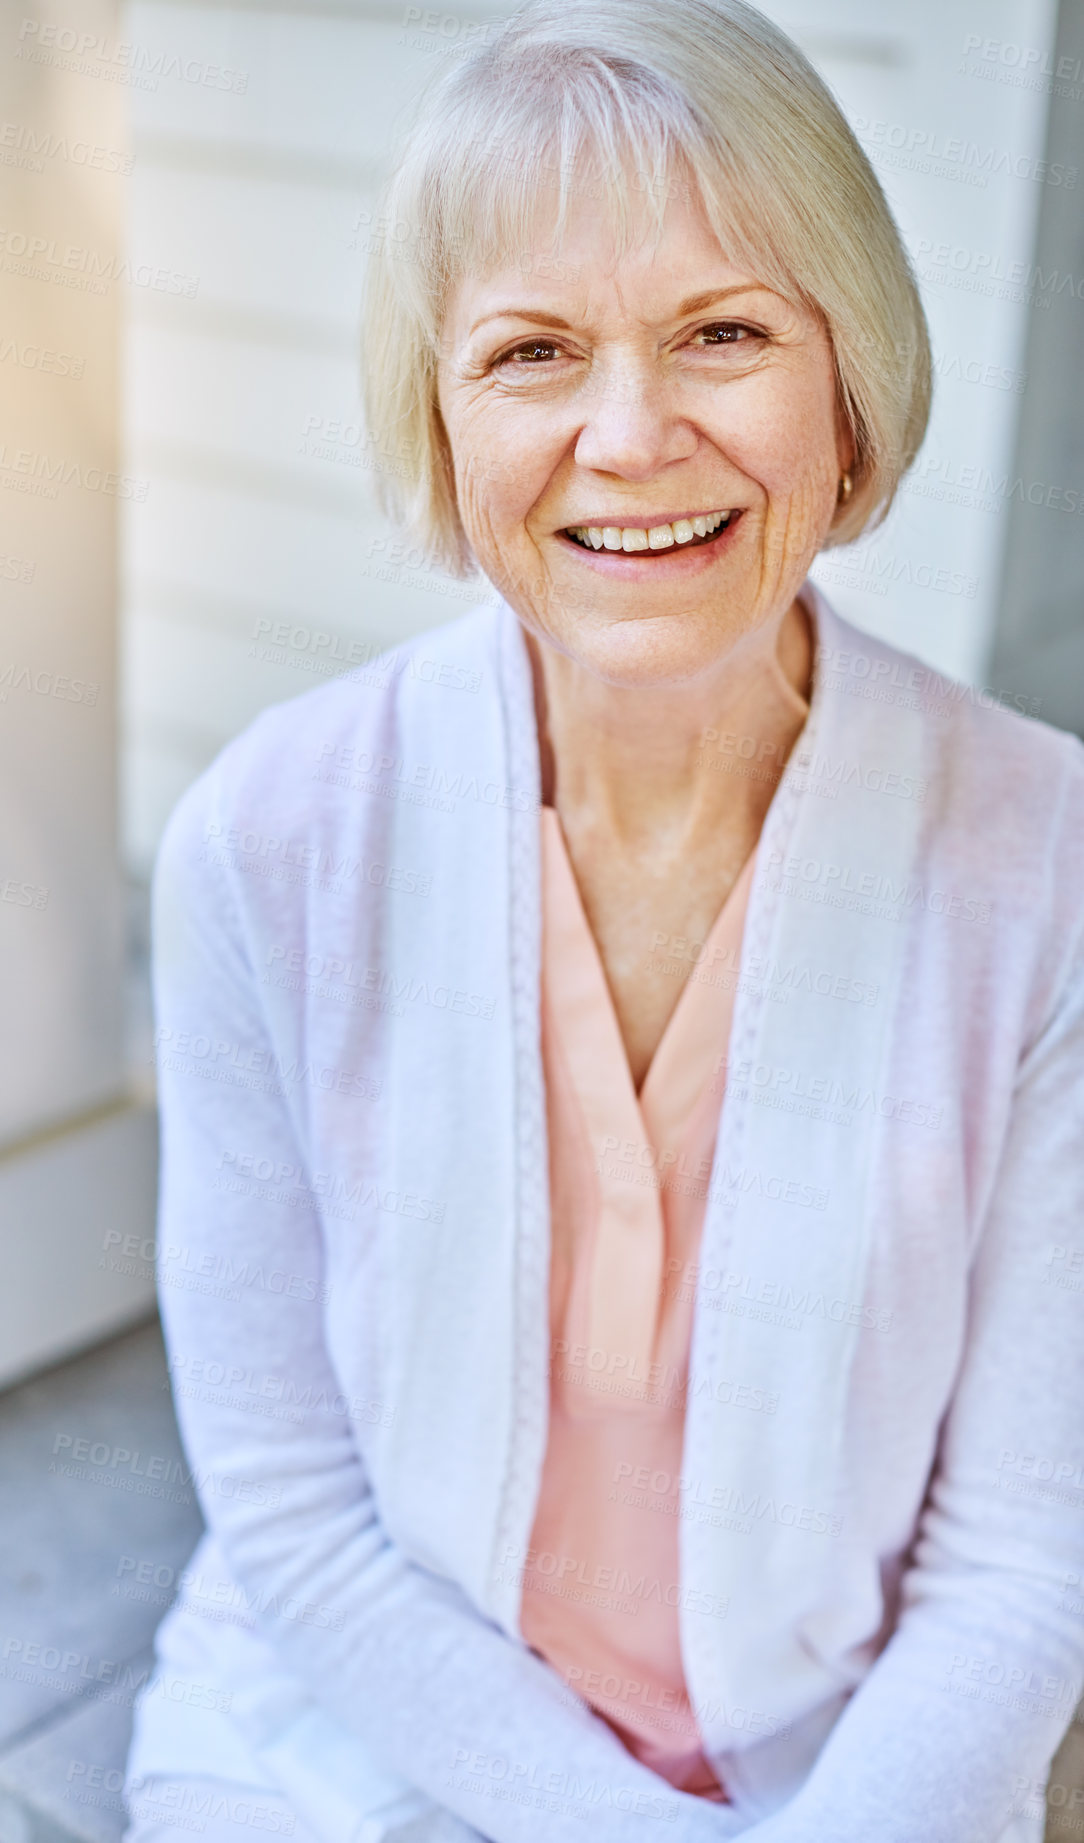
<point x="523" y="313"/>
<point x="694" y="304"/>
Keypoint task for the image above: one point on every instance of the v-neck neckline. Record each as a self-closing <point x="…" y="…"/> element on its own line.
<point x="649" y="1100"/>
<point x="638" y="1145"/>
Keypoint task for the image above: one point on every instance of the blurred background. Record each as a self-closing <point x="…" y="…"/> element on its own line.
<point x="188" y="532"/>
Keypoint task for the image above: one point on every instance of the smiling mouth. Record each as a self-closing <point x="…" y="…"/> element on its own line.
<point x="683" y="533"/>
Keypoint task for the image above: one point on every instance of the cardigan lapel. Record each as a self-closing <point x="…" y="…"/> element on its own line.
<point x="786" y="1237"/>
<point x="528" y="1381"/>
<point x="461" y="1286"/>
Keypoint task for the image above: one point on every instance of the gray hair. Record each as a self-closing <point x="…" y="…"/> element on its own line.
<point x="639" y="97"/>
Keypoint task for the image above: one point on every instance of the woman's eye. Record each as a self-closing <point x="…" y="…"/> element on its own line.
<point x="531" y="352"/>
<point x="727" y="333"/>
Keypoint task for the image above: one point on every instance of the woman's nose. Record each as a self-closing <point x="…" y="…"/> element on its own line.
<point x="633" y="426"/>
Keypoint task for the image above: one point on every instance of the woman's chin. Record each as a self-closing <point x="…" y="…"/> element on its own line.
<point x="646" y="652"/>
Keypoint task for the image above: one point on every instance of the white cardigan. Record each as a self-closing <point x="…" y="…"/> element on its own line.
<point x="353" y="1264"/>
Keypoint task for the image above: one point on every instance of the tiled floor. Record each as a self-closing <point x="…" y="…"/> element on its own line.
<point x="91" y="1488"/>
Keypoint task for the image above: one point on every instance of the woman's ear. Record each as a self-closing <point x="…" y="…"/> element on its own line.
<point x="846" y="446"/>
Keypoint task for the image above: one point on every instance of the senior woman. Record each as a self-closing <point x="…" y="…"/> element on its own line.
<point x="619" y="1201"/>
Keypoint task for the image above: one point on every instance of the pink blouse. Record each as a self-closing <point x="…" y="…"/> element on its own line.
<point x="629" y="1180"/>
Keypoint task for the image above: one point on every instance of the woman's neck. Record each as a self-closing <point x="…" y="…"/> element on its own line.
<point x="672" y="763"/>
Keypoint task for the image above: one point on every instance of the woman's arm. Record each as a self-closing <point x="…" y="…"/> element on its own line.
<point x="436" y="1693"/>
<point x="953" y="1729"/>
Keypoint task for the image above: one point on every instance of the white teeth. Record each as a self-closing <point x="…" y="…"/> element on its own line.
<point x="652" y="537"/>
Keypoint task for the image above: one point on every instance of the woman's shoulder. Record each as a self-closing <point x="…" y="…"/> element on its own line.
<point x="999" y="790"/>
<point x="301" y="761"/>
<point x="978" y="747"/>
<point x="997" y="793"/>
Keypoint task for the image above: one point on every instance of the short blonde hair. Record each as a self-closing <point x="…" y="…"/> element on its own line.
<point x="635" y="95"/>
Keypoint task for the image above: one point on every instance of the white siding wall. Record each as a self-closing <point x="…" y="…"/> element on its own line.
<point x="61" y="940"/>
<point x="76" y="1149"/>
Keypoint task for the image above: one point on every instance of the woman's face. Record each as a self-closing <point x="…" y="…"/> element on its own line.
<point x="592" y="391"/>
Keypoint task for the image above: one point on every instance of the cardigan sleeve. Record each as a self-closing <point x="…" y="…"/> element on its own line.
<point x="950" y="1735"/>
<point x="430" y="1688"/>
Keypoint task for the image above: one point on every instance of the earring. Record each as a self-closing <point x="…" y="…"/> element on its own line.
<point x="846" y="487"/>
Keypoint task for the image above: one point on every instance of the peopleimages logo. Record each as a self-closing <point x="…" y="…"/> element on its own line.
<point x="897" y="143"/>
<point x="269" y="854"/>
<point x="228" y="1593"/>
<point x="31" y="471"/>
<point x="31" y="147"/>
<point x="985" y="268"/>
<point x="518" y="1779"/>
<point x="815" y="765"/>
<point x="1025" y="59"/>
<point x="395" y="774"/>
<point x="41" y="358"/>
<point x="839" y="884"/>
<point x="73" y="266"/>
<point x="90" y="54"/>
